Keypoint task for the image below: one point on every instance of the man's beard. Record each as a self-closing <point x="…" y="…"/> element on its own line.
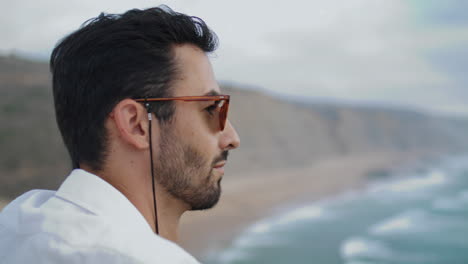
<point x="185" y="173"/>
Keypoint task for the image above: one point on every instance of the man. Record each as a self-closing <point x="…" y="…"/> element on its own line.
<point x="142" y="117"/>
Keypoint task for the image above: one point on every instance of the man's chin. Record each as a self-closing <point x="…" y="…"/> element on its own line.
<point x="210" y="201"/>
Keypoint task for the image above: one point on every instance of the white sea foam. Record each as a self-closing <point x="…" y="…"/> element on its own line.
<point x="311" y="212"/>
<point x="409" y="221"/>
<point x="417" y="224"/>
<point x="412" y="184"/>
<point x="255" y="233"/>
<point x="370" y="251"/>
<point x="356" y="247"/>
<point x="301" y="214"/>
<point x="261" y="227"/>
<point x="231" y="255"/>
<point x="394" y="224"/>
<point x="416" y="188"/>
<point x="252" y="241"/>
<point x="262" y="233"/>
<point x="258" y="235"/>
<point x="413" y="222"/>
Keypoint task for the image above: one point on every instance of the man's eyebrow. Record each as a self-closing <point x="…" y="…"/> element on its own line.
<point x="212" y="92"/>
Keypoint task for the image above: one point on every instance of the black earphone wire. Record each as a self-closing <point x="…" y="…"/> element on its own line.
<point x="152" y="171"/>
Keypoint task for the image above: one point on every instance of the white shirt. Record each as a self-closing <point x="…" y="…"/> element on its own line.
<point x="86" y="220"/>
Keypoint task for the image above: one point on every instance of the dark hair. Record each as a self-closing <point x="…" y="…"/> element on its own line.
<point x="113" y="57"/>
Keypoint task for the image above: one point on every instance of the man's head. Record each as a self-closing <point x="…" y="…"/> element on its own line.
<point x="192" y="147"/>
<point x="142" y="53"/>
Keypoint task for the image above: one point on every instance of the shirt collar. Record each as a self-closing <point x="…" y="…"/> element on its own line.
<point x="97" y="196"/>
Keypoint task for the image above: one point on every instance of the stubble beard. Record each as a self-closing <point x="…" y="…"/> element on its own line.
<point x="185" y="173"/>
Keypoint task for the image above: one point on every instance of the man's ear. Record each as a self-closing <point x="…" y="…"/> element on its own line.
<point x="131" y="123"/>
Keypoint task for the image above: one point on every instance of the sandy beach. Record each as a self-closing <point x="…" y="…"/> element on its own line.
<point x="250" y="197"/>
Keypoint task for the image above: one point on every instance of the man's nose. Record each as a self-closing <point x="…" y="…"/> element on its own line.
<point x="230" y="139"/>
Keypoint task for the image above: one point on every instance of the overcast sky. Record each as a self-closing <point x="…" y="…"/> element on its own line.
<point x="400" y="52"/>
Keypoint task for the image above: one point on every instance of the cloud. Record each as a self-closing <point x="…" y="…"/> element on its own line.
<point x="396" y="52"/>
<point x="36" y="26"/>
<point x="447" y="12"/>
<point x="362" y="51"/>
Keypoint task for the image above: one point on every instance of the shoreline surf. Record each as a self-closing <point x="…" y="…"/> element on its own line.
<point x="397" y="220"/>
<point x="247" y="199"/>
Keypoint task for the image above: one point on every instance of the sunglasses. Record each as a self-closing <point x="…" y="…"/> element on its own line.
<point x="220" y="108"/>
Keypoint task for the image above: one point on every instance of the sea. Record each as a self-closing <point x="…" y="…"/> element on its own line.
<point x="419" y="216"/>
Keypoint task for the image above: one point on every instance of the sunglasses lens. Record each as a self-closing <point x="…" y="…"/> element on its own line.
<point x="223" y="114"/>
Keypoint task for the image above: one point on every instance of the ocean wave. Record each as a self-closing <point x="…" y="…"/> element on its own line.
<point x="455" y="204"/>
<point x="301" y="214"/>
<point x="366" y="250"/>
<point x="464" y="196"/>
<point x="306" y="213"/>
<point x="414" y="219"/>
<point x="265" y="233"/>
<point x="403" y="223"/>
<point x="231" y="255"/>
<point x="424" y="228"/>
<point x="253" y="235"/>
<point x="433" y="178"/>
<point x="356" y="247"/>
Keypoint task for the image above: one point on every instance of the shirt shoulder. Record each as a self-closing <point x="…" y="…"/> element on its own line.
<point x="40" y="227"/>
<point x="45" y="248"/>
<point x="37" y="227"/>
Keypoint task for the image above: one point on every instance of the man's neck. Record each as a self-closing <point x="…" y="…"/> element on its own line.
<point x="140" y="194"/>
<point x="170" y="211"/>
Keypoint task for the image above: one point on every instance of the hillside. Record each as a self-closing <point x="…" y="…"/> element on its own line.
<point x="274" y="133"/>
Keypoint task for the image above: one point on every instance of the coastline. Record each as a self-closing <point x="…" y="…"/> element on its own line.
<point x="251" y="197"/>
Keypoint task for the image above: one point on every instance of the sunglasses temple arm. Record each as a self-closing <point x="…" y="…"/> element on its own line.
<point x="150" y="118"/>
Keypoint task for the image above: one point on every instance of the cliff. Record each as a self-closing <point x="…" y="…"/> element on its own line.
<point x="274" y="133"/>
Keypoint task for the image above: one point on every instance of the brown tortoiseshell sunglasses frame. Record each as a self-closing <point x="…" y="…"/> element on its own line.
<point x="222" y="108"/>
